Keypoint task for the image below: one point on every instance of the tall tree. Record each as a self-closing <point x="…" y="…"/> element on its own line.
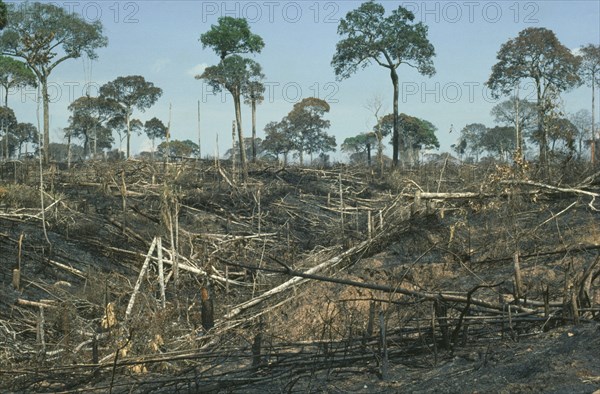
<point x="499" y="141"/>
<point x="228" y="39"/>
<point x="519" y="114"/>
<point x="89" y="121"/>
<point x="278" y="140"/>
<point x="231" y="36"/>
<point x="582" y="121"/>
<point x="590" y="72"/>
<point x="131" y="92"/>
<point x="536" y="54"/>
<point x="253" y="91"/>
<point x="154" y="129"/>
<point x="178" y="148"/>
<point x="8" y="123"/>
<point x="360" y="146"/>
<point x="419" y="134"/>
<point x="389" y="42"/>
<point x="3" y="15"/>
<point x="307" y="127"/>
<point x="14" y="74"/>
<point x="383" y="126"/>
<point x="471" y="137"/>
<point x="45" y="35"/>
<point x="24" y="133"/>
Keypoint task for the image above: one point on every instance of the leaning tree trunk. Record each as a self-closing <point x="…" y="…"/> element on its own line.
<point x="396" y="134"/>
<point x="238" y="118"/>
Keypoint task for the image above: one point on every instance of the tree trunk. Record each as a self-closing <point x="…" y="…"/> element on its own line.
<point x="369" y="154"/>
<point x="128" y="120"/>
<point x="46" y="110"/>
<point x="593" y="120"/>
<point x="238" y="117"/>
<point x="541" y="129"/>
<point x="395" y="135"/>
<point x="253" y="131"/>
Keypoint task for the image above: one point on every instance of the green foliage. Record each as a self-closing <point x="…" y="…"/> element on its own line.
<point x="3" y="15"/>
<point x="155" y="128"/>
<point x="307" y="127"/>
<point x="536" y="54"/>
<point x="470" y="139"/>
<point x="46" y="35"/>
<point x="562" y="131"/>
<point x="232" y="74"/>
<point x="359" y="147"/>
<point x="178" y="148"/>
<point x="24" y="133"/>
<point x="389" y="41"/>
<point x="14" y="74"/>
<point x="261" y="152"/>
<point x="371" y="37"/>
<point x="129" y="93"/>
<point x="231" y="36"/>
<point x="505" y="113"/>
<point x="253" y="90"/>
<point x="8" y="123"/>
<point x="499" y="141"/>
<point x="278" y="140"/>
<point x="89" y="121"/>
<point x="590" y="64"/>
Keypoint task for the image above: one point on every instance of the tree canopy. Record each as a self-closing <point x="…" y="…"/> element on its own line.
<point x="89" y="121"/>
<point x="131" y="92"/>
<point x="360" y="147"/>
<point x="3" y="15"/>
<point x="45" y="35"/>
<point x="277" y="139"/>
<point x="536" y="54"/>
<point x="371" y="37"/>
<point x="178" y="148"/>
<point x="231" y="36"/>
<point x="307" y="127"/>
<point x="8" y="122"/>
<point x="14" y="74"/>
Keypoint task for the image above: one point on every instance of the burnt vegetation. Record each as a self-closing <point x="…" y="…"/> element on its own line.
<point x="159" y="277"/>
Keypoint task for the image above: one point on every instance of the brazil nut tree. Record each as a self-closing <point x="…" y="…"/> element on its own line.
<point x="536" y="54"/>
<point x="230" y="38"/>
<point x="44" y="36"/>
<point x="371" y="37"/>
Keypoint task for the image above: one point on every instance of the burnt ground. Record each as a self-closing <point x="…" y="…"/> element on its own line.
<point x="412" y="281"/>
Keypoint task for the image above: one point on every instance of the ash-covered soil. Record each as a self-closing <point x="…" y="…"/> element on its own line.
<point x="318" y="280"/>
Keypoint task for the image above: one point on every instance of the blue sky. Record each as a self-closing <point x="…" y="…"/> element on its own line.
<point x="159" y="40"/>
